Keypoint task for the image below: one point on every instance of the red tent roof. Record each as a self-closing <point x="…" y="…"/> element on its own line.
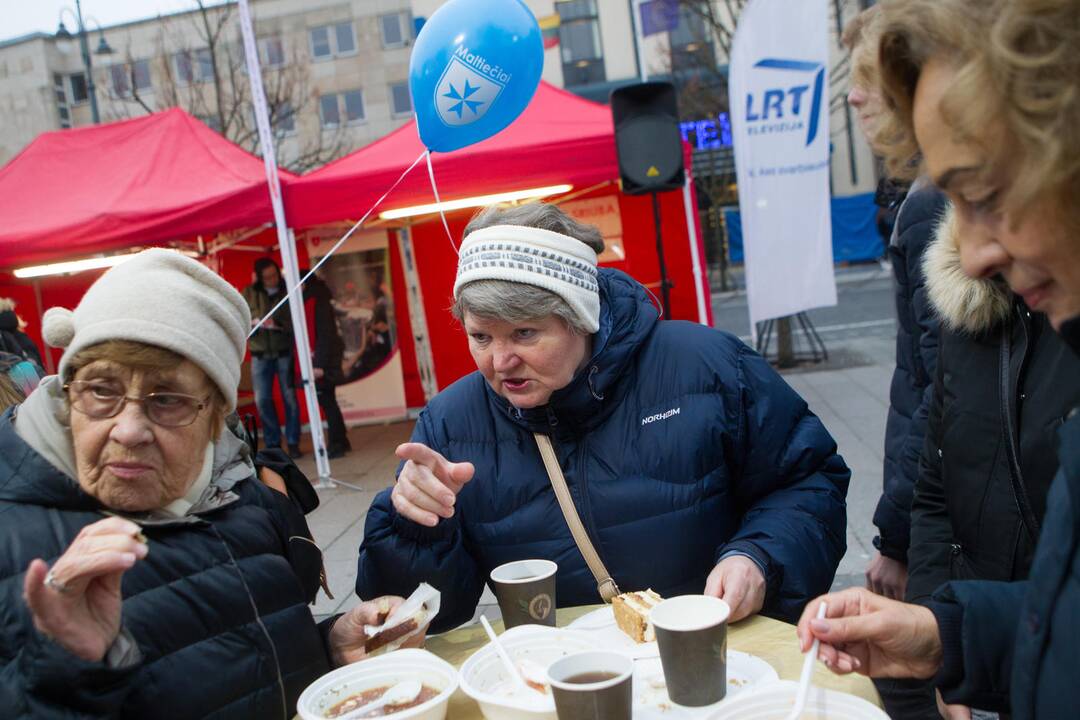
<point x="135" y="182"/>
<point x="559" y="138"/>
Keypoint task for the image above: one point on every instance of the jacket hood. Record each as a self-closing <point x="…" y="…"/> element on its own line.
<point x="627" y="318"/>
<point x="8" y="320"/>
<point x="964" y="304"/>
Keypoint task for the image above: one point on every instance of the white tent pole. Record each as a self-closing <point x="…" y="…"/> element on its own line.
<point x="695" y="256"/>
<point x="425" y="361"/>
<point x="288" y="245"/>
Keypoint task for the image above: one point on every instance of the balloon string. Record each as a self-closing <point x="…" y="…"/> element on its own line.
<point x="337" y="245"/>
<point x="438" y="202"/>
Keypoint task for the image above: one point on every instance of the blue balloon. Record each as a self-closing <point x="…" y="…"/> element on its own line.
<point x="474" y="69"/>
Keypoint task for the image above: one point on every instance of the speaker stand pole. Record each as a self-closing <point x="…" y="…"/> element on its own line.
<point x="665" y="284"/>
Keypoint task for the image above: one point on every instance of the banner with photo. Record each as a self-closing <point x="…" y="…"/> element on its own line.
<point x="371" y="385"/>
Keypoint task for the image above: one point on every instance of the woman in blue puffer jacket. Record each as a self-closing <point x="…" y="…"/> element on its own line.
<point x="693" y="465"/>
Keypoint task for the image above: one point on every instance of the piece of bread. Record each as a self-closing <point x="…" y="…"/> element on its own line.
<point x="397" y="631"/>
<point x="632" y="614"/>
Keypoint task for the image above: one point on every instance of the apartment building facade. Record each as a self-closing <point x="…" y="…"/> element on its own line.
<point x="336" y="71"/>
<point x="335" y="75"/>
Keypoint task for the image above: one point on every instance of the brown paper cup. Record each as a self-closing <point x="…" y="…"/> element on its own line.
<point x="691" y="632"/>
<point x="593" y="685"/>
<point x="525" y="590"/>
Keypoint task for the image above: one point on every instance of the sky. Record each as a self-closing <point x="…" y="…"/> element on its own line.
<point x="21" y="17"/>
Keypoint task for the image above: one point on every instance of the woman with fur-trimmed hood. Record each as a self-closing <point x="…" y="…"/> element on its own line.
<point x="981" y="495"/>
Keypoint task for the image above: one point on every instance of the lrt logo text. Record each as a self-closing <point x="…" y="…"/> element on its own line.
<point x="779" y="110"/>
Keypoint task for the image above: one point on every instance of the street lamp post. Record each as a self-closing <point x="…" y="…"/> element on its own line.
<point x="84" y="46"/>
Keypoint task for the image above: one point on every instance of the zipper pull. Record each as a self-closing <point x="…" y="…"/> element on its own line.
<point x="552" y="420"/>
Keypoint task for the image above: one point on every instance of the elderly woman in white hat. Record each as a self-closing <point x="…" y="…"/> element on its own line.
<point x="146" y="571"/>
<point x="693" y="467"/>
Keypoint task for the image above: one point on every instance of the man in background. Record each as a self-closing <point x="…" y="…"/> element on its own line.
<point x="272" y="356"/>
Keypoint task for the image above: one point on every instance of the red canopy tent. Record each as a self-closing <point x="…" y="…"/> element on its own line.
<point x="136" y="182"/>
<point x="559" y="139"/>
<point x="153" y="180"/>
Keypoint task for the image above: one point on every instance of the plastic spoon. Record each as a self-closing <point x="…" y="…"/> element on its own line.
<point x="807" y="671"/>
<point x="402" y="693"/>
<point x="506" y="661"/>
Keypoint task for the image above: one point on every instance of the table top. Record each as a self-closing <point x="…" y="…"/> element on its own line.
<point x="771" y="640"/>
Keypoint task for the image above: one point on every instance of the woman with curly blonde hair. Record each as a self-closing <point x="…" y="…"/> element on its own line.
<point x="987" y="93"/>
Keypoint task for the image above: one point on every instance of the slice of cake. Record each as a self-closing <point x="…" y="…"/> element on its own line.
<point x="632" y="614"/>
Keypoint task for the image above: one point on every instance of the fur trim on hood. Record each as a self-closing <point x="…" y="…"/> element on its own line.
<point x="964" y="304"/>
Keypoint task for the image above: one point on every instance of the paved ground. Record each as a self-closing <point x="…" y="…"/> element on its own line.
<point x="849" y="393"/>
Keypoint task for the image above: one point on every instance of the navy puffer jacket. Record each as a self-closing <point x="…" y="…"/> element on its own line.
<point x="911" y="391"/>
<point x="216" y="608"/>
<point x="679" y="445"/>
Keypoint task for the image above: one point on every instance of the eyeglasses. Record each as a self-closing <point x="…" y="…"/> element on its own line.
<point x="101" y="400"/>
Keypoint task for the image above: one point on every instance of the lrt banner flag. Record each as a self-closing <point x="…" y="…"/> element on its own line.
<point x="779" y="90"/>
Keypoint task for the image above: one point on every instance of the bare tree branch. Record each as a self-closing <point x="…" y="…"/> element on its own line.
<point x="223" y="96"/>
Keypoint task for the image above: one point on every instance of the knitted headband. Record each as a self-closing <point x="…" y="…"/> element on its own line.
<point x="555" y="262"/>
<point x="163" y="298"/>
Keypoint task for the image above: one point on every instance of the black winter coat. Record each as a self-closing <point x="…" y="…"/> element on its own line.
<point x="216" y="608"/>
<point x="1017" y="645"/>
<point x="15" y="341"/>
<point x="966" y="517"/>
<point x="912" y="381"/>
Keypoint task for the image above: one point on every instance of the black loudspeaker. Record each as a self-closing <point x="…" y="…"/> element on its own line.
<point x="647" y="138"/>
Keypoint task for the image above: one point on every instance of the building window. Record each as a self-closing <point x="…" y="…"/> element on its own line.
<point x="273" y="52"/>
<point x="197" y="66"/>
<point x="579" y="40"/>
<point x="140" y="71"/>
<point x="335" y="106"/>
<point x="400" y="101"/>
<point x="286" y="119"/>
<point x="204" y="65"/>
<point x="396" y="29"/>
<point x="332" y="40"/>
<point x="121" y="85"/>
<point x="346" y="41"/>
<point x="354" y="106"/>
<point x="328" y="111"/>
<point x="691" y="44"/>
<point x="320" y="43"/>
<point x="79" y="93"/>
<point x="184" y="73"/>
<point x="58" y="89"/>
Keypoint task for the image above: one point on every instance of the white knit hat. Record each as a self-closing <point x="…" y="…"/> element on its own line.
<point x="163" y="298"/>
<point x="562" y="264"/>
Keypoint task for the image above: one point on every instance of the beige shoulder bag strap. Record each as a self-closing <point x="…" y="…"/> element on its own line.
<point x="604" y="582"/>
